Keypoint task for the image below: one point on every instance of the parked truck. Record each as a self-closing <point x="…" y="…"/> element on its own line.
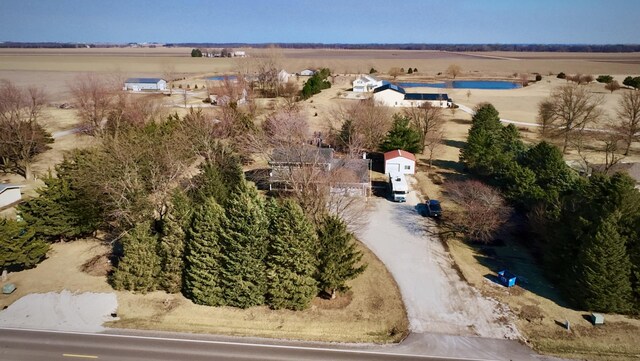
<point x="399" y="187"/>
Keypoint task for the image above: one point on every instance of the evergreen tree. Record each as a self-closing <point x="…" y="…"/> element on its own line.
<point x="244" y="245"/>
<point x="483" y="142"/>
<point x="171" y="251"/>
<point x="552" y="173"/>
<point x="202" y="281"/>
<point x="401" y="136"/>
<point x="139" y="266"/>
<point x="19" y="248"/>
<point x="218" y="178"/>
<point x="604" y="270"/>
<point x="338" y="257"/>
<point x="62" y="210"/>
<point x="291" y="257"/>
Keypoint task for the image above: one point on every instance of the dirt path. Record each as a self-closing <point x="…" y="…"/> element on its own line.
<point x="437" y="300"/>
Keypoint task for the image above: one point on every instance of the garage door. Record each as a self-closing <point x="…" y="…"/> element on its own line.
<point x="392" y="168"/>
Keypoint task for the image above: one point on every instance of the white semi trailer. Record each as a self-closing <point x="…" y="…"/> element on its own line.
<point x="399" y="187"/>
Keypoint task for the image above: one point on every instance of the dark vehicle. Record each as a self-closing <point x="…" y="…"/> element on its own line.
<point x="432" y="208"/>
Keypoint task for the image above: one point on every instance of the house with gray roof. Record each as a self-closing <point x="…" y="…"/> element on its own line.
<point x="145" y="84"/>
<point x="350" y="177"/>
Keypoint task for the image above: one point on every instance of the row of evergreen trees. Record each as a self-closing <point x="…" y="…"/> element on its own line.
<point x="587" y="230"/>
<point x="226" y="245"/>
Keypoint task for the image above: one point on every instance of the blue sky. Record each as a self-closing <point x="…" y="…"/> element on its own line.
<point x="322" y="21"/>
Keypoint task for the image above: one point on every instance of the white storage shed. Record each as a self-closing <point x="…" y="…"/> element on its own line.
<point x="399" y="161"/>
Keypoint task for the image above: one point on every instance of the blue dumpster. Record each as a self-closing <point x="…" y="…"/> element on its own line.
<point x="507" y="278"/>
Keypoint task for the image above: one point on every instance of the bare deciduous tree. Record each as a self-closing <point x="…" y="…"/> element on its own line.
<point x="612" y="86"/>
<point x="545" y="118"/>
<point x="129" y="110"/>
<point x="361" y="126"/>
<point x="428" y="121"/>
<point x="629" y="114"/>
<point x="454" y="70"/>
<point x="483" y="211"/>
<point x="267" y="67"/>
<point x="570" y="109"/>
<point x="611" y="144"/>
<point x="434" y="141"/>
<point x="394" y="72"/>
<point x="21" y="136"/>
<point x="93" y="97"/>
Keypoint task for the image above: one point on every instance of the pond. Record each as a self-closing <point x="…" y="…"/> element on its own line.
<point x="466" y="84"/>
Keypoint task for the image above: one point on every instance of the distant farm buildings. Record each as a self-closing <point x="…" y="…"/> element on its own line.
<point x="145" y="84"/>
<point x="395" y="96"/>
<point x="366" y="83"/>
<point x="307" y="72"/>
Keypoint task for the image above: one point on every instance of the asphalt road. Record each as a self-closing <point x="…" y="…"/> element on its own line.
<point x="31" y="345"/>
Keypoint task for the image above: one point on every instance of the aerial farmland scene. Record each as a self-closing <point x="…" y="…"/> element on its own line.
<point x="288" y="180"/>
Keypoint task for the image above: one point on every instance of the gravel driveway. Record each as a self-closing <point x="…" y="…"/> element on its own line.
<point x="436" y="298"/>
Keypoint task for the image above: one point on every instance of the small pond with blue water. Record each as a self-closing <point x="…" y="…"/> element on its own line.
<point x="466" y="84"/>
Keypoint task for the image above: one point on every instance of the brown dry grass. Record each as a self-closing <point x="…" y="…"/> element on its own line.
<point x="61" y="270"/>
<point x="371" y="312"/>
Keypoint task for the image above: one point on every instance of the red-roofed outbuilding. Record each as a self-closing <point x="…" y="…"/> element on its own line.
<point x="399" y="161"/>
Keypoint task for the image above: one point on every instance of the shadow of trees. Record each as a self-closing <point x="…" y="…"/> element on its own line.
<point x="455" y="143"/>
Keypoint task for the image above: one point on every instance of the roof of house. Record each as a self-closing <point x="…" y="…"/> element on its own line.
<point x="424" y="96"/>
<point x="352" y="170"/>
<point x="143" y="80"/>
<point x="399" y="153"/>
<point x="394" y="87"/>
<point x="5" y="186"/>
<point x="632" y="169"/>
<point x="368" y="78"/>
<point x="308" y="155"/>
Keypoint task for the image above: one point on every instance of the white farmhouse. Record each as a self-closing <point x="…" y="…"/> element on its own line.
<point x="240" y="54"/>
<point x="9" y="194"/>
<point x="141" y="84"/>
<point x="366" y="83"/>
<point x="391" y="95"/>
<point x="399" y="162"/>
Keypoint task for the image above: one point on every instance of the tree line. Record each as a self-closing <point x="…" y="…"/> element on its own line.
<point x="578" y="48"/>
<point x="586" y="231"/>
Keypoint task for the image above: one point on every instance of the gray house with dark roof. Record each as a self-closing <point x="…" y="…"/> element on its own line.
<point x="392" y="95"/>
<point x="350" y="177"/>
